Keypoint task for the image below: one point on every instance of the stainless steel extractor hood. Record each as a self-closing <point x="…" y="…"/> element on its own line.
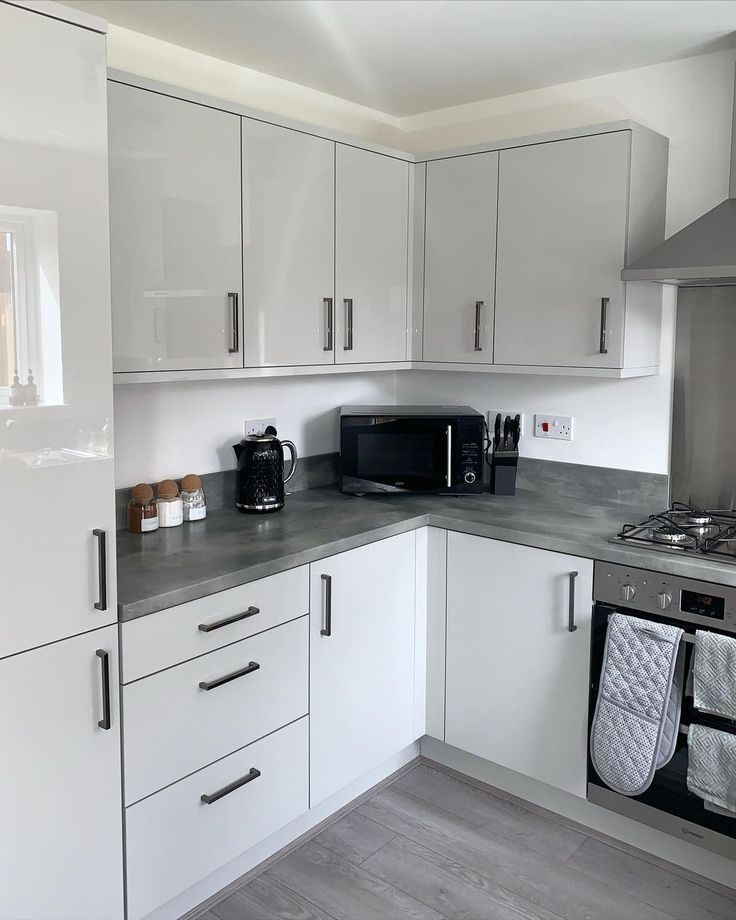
<point x="701" y="254"/>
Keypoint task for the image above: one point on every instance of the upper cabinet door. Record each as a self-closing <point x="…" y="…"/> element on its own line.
<point x="288" y="246"/>
<point x="562" y="212"/>
<point x="460" y="257"/>
<point x="175" y="233"/>
<point x="371" y="247"/>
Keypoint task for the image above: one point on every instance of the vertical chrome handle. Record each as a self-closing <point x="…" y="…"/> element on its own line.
<point x="603" y="348"/>
<point x="327" y="301"/>
<point x="326" y="629"/>
<point x="348" y="346"/>
<point x="478" y="308"/>
<point x="106" y="721"/>
<point x="571" y="627"/>
<point x="235" y="319"/>
<point x="448" y="474"/>
<point x="101" y="604"/>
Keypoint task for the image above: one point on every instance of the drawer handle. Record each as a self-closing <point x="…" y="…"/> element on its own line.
<point x="211" y="684"/>
<point x="209" y="798"/>
<point x="218" y="624"/>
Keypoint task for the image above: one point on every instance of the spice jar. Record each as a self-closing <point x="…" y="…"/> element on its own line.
<point x="192" y="498"/>
<point x="170" y="511"/>
<point x="142" y="510"/>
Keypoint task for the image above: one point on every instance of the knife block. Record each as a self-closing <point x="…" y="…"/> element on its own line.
<point x="503" y="472"/>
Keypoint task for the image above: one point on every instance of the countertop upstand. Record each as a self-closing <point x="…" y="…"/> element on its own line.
<point x="169" y="567"/>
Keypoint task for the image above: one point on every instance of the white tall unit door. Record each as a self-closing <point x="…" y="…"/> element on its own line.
<point x="460" y="257"/>
<point x="288" y="246"/>
<point x="61" y="845"/>
<point x="56" y="466"/>
<point x="517" y="677"/>
<point x="362" y="661"/>
<point x="175" y="232"/>
<point x="371" y="256"/>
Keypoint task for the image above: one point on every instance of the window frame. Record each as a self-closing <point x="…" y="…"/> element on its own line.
<point x="26" y="310"/>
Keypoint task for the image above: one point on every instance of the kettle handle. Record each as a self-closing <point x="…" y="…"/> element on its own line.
<point x="294" y="458"/>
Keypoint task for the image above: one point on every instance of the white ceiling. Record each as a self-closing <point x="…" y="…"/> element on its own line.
<point x="404" y="57"/>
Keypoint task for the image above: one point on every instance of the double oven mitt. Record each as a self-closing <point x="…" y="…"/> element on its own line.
<point x="637" y="715"/>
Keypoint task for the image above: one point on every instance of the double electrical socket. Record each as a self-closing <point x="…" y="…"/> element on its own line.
<point x="257" y="425"/>
<point x="558" y="427"/>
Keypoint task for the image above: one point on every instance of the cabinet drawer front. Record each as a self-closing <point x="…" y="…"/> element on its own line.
<point x="181" y="719"/>
<point x="157" y="641"/>
<point x="174" y="839"/>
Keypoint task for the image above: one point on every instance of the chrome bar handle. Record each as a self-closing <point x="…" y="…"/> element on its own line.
<point x="478" y="308"/>
<point x="106" y="721"/>
<point x="234" y="675"/>
<point x="209" y="798"/>
<point x="571" y="627"/>
<point x="448" y="474"/>
<point x="235" y="618"/>
<point x="235" y="318"/>
<point x="326" y="629"/>
<point x="327" y="301"/>
<point x="101" y="604"/>
<point x="348" y="346"/>
<point x="603" y="349"/>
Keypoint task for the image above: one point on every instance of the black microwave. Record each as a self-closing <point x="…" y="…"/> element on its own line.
<point x="391" y="449"/>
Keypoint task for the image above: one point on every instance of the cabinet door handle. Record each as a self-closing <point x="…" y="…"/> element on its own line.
<point x="571" y="627"/>
<point x="101" y="604"/>
<point x="235" y="618"/>
<point x="603" y="348"/>
<point x="105" y="722"/>
<point x="448" y="472"/>
<point x="478" y="308"/>
<point x="326" y="629"/>
<point x="327" y="301"/>
<point x="235" y="319"/>
<point x="219" y="681"/>
<point x="209" y="798"/>
<point x="348" y="346"/>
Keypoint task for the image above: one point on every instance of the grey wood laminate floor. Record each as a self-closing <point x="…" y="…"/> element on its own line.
<point x="431" y="846"/>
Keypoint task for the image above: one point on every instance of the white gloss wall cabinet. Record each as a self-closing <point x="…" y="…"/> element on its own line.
<point x="361" y="661"/>
<point x="516" y="676"/>
<point x="564" y="215"/>
<point x="460" y="256"/>
<point x="288" y="246"/>
<point x="61" y="843"/>
<point x="175" y="233"/>
<point x="371" y="256"/>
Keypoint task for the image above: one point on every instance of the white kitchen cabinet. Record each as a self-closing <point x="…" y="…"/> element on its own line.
<point x="175" y="231"/>
<point x="371" y="256"/>
<point x="516" y="677"/>
<point x="288" y="246"/>
<point x="571" y="213"/>
<point x="362" y="661"/>
<point x="61" y="842"/>
<point x="460" y="255"/>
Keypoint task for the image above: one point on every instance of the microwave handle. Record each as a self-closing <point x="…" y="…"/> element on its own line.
<point x="448" y="477"/>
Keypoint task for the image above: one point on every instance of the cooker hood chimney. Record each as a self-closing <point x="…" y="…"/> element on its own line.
<point x="701" y="254"/>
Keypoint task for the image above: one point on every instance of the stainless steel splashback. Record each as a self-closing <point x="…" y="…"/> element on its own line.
<point x="704" y="409"/>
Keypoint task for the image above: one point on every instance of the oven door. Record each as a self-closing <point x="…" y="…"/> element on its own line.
<point x="390" y="454"/>
<point x="668" y="804"/>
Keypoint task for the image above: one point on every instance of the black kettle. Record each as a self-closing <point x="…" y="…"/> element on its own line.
<point x="260" y="486"/>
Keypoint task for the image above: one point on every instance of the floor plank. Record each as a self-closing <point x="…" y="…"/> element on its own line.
<point x="543" y="881"/>
<point x="344" y="890"/>
<point x="265" y="898"/>
<point x="526" y="827"/>
<point x="355" y="837"/>
<point x="448" y="886"/>
<point x="679" y="896"/>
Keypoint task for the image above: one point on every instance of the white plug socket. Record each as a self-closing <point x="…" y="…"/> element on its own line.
<point x="257" y="425"/>
<point x="555" y="427"/>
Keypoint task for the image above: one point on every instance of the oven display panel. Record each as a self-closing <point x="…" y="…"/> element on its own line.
<point x="703" y="605"/>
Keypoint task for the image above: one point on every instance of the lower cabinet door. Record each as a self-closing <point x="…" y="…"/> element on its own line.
<point x="61" y="838"/>
<point x="183" y="833"/>
<point x="362" y="661"/>
<point x="517" y="677"/>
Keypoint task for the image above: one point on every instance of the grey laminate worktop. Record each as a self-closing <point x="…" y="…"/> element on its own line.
<point x="169" y="567"/>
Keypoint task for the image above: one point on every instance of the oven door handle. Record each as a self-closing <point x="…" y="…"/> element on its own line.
<point x="448" y="476"/>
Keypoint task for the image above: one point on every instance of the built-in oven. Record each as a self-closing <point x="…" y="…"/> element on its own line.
<point x="692" y="605"/>
<point x="394" y="449"/>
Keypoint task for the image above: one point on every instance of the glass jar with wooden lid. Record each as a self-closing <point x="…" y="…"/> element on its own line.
<point x="193" y="498"/>
<point x="170" y="511"/>
<point x="142" y="509"/>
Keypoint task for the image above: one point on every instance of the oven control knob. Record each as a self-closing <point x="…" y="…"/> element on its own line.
<point x="664" y="599"/>
<point x="470" y="477"/>
<point x="627" y="592"/>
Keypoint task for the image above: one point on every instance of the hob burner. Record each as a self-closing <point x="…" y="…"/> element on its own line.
<point x="698" y="519"/>
<point x="671" y="536"/>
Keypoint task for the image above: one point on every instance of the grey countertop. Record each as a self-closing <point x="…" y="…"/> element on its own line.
<point x="169" y="567"/>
